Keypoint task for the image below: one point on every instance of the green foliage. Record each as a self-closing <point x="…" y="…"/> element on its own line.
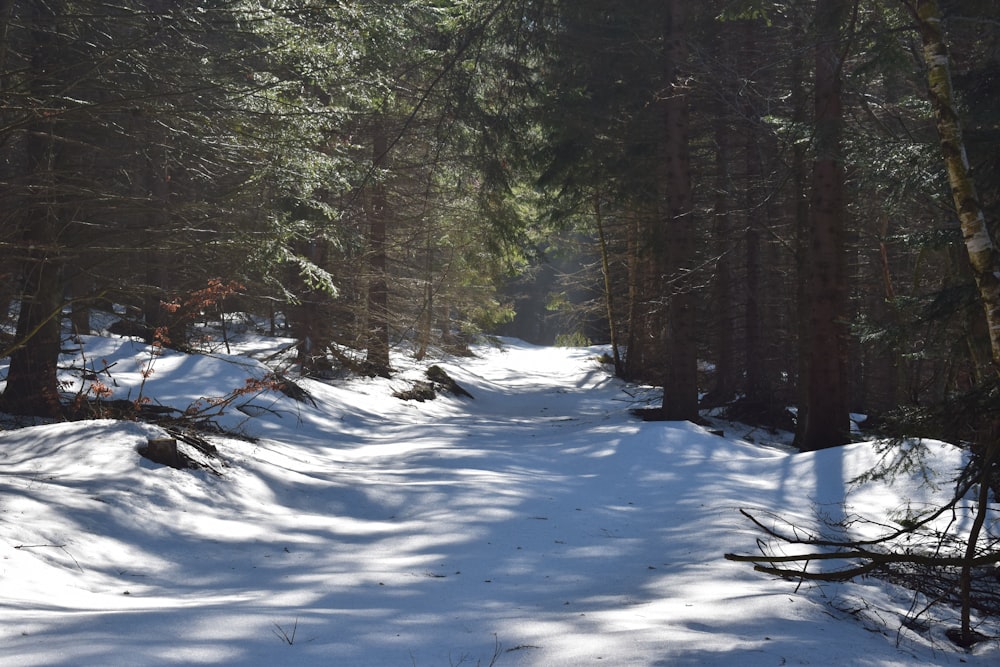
<point x="959" y="417"/>
<point x="315" y="277"/>
<point x="751" y="10"/>
<point x="900" y="457"/>
<point x="233" y="138"/>
<point x="597" y="111"/>
<point x="575" y="339"/>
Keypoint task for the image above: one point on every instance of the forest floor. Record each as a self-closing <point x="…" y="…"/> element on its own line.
<point x="537" y="523"/>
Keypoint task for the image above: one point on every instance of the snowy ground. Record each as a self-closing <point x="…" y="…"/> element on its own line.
<point x="537" y="524"/>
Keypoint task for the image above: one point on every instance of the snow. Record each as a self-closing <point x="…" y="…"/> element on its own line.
<point x="538" y="524"/>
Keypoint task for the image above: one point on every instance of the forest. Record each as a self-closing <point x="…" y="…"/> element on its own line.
<point x="366" y="173"/>
<point x="779" y="210"/>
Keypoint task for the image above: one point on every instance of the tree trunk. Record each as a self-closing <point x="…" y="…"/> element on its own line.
<point x="883" y="368"/>
<point x="378" y="291"/>
<point x="632" y="338"/>
<point x="609" y="302"/>
<point x="983" y="257"/>
<point x="426" y="320"/>
<point x="680" y="391"/>
<point x="799" y="212"/>
<point x="725" y="382"/>
<point x="32" y="387"/>
<point x="755" y="386"/>
<point x="982" y="252"/>
<point x="825" y="422"/>
<point x="309" y="320"/>
<point x="645" y="355"/>
<point x="160" y="278"/>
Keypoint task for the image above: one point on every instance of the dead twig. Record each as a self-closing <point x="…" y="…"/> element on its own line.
<point x="52" y="546"/>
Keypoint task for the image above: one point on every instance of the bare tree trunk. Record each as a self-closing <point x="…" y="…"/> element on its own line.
<point x="608" y="290"/>
<point x="631" y="341"/>
<point x="755" y="387"/>
<point x="799" y="211"/>
<point x="725" y="383"/>
<point x="645" y="356"/>
<point x="32" y="387"/>
<point x="883" y="379"/>
<point x="427" y="314"/>
<point x="826" y="420"/>
<point x="680" y="391"/>
<point x="378" y="291"/>
<point x="157" y="166"/>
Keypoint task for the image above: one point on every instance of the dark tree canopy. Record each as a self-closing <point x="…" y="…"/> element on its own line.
<point x="747" y="198"/>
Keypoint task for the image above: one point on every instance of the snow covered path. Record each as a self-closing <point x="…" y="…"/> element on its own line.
<point x="536" y="525"/>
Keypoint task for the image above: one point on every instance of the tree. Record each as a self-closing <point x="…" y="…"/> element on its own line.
<point x="31" y="382"/>
<point x="824" y="419"/>
<point x="133" y="124"/>
<point x="426" y="160"/>
<point x="982" y="252"/>
<point x="680" y="389"/>
<point x="964" y="551"/>
<point x="983" y="256"/>
<point x="613" y="116"/>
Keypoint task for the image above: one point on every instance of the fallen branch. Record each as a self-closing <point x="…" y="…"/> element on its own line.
<point x="876" y="557"/>
<point x="51" y="546"/>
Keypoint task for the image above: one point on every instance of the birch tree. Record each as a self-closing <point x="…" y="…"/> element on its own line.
<point x="961" y="549"/>
<point x="983" y="255"/>
<point x="982" y="252"/>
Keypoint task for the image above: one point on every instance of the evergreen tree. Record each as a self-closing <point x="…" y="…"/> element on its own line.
<point x="130" y="120"/>
<point x="824" y="419"/>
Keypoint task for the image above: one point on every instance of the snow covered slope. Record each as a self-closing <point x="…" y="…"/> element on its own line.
<point x="537" y="524"/>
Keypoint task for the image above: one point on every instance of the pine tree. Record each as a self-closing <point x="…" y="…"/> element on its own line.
<point x="824" y="419"/>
